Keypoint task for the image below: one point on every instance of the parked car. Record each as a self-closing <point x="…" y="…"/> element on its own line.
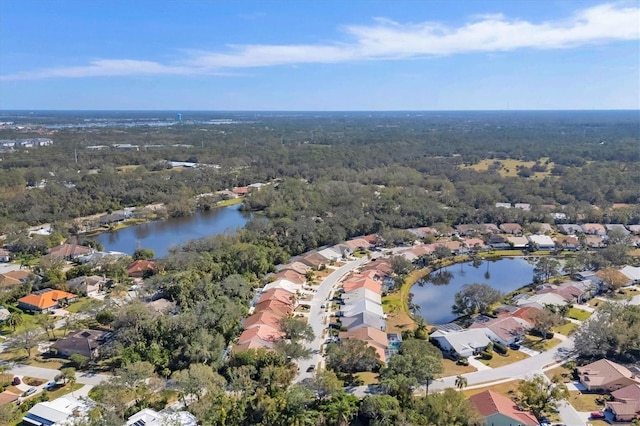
<point x="515" y="346"/>
<point x="51" y="385"/>
<point x="311" y="368"/>
<point x="30" y="391"/>
<point x="597" y="415"/>
<point x="16" y="381"/>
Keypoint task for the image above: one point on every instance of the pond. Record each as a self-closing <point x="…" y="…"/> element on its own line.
<point x="435" y="294"/>
<point x="163" y="234"/>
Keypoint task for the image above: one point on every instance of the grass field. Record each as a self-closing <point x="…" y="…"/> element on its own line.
<point x="509" y="167"/>
<point x="83" y="305"/>
<point x="585" y="401"/>
<point x="565" y="329"/>
<point x="395" y="304"/>
<point x="537" y="344"/>
<point x="230" y="202"/>
<point x="367" y="378"/>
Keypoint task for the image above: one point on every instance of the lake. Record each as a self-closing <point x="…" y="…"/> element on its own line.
<point x="436" y="296"/>
<point x="163" y="234"/>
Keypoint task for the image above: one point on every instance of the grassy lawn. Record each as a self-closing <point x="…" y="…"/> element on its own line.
<point x="560" y="370"/>
<point x="537" y="344"/>
<point x="230" y="202"/>
<point x="395" y="304"/>
<point x="64" y="390"/>
<point x="453" y="369"/>
<point x="565" y="329"/>
<point x="27" y="322"/>
<point x="367" y="377"/>
<point x="83" y="305"/>
<point x="501" y="388"/>
<point x="51" y="363"/>
<point x="579" y="314"/>
<point x="499" y="360"/>
<point x="585" y="401"/>
<point x="595" y="302"/>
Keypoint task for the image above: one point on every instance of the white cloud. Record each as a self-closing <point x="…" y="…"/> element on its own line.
<point x="386" y="40"/>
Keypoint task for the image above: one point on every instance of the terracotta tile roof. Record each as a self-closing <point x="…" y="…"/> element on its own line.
<point x="7" y="397"/>
<point x="511" y="228"/>
<point x="140" y="266"/>
<point x="489" y="403"/>
<point x="241" y="190"/>
<point x="264" y="332"/>
<point x="269" y="318"/>
<point x="255" y="343"/>
<point x="46" y="299"/>
<point x="292" y="276"/>
<point x="527" y="313"/>
<point x="358" y="282"/>
<point x="274" y="306"/>
<point x="298" y="267"/>
<point x="277" y="294"/>
<point x="368" y="334"/>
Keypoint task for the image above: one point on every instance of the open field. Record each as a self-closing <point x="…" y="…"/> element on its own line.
<point x="509" y="167"/>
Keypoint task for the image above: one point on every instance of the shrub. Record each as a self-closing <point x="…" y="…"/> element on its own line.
<point x="486" y="355"/>
<point x="500" y="348"/>
<point x="462" y="361"/>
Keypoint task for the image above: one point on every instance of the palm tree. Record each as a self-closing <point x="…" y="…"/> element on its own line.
<point x="461" y="382"/>
<point x="14" y="320"/>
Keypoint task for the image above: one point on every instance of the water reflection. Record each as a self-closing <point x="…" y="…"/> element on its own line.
<point x="161" y="235"/>
<point x="435" y="293"/>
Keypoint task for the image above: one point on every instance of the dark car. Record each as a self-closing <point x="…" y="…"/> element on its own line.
<point x="16" y="381"/>
<point x="311" y="368"/>
<point x="515" y="346"/>
<point x="597" y="415"/>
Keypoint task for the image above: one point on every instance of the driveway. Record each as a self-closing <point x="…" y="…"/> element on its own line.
<point x="50" y="374"/>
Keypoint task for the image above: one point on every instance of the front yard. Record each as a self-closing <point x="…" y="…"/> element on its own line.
<point x="538" y="344"/>
<point x="586" y="401"/>
<point x="453" y="369"/>
<point x="579" y="314"/>
<point x="566" y="329"/>
<point x="507" y="389"/>
<point x="499" y="360"/>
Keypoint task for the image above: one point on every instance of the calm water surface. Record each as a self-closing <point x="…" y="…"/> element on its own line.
<point x="164" y="234"/>
<point x="436" y="296"/>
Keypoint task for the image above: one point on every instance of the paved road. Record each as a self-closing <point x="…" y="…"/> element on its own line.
<point x="317" y="315"/>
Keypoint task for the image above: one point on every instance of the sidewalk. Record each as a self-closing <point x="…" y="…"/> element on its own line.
<point x="477" y="364"/>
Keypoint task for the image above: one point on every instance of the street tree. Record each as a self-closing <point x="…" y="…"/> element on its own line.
<point x="67" y="375"/>
<point x="449" y="408"/>
<point x="545" y="320"/>
<point x="541" y="395"/>
<point x="296" y="329"/>
<point x="475" y="298"/>
<point x="324" y="384"/>
<point x="461" y="382"/>
<point x="27" y="340"/>
<point x="47" y="322"/>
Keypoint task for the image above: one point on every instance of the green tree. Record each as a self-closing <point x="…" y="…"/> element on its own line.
<point x="546" y="267"/>
<point x="461" y="382"/>
<point x="143" y="254"/>
<point x="196" y="381"/>
<point x="79" y="360"/>
<point x="15" y="319"/>
<point x="26" y="339"/>
<point x="380" y="410"/>
<point x="475" y="298"/>
<point x="296" y="329"/>
<point x="449" y="408"/>
<point x="541" y="395"/>
<point x="340" y="409"/>
<point x="324" y="384"/>
<point x="67" y="374"/>
<point x="47" y="322"/>
<point x="351" y="356"/>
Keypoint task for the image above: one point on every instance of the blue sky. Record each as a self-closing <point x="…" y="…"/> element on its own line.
<point x="319" y="55"/>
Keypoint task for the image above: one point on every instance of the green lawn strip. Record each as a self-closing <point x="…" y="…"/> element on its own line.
<point x="82" y="305"/>
<point x="565" y="329"/>
<point x="579" y="314"/>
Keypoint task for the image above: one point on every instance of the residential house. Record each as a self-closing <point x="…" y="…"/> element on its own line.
<point x="45" y="300"/>
<point x="149" y="417"/>
<point x="284" y="285"/>
<point x="626" y="403"/>
<point x="276" y="306"/>
<point x="568" y="243"/>
<point x="82" y="342"/>
<point x="635" y="229"/>
<point x="503" y="205"/>
<point x="141" y="268"/>
<point x="358" y="243"/>
<point x="69" y="251"/>
<point x="11" y="278"/>
<point x="330" y="253"/>
<point x="605" y="375"/>
<point x="543" y="242"/>
<point x="500" y="410"/>
<point x="572" y="291"/>
<point x="522" y="206"/>
<point x="270" y="318"/>
<point x="364" y="319"/>
<point x="278" y="294"/>
<point x="241" y="190"/>
<point x="262" y="332"/>
<point x="108" y="219"/>
<point x="382" y="266"/>
<point x="518" y="242"/>
<point x="632" y="273"/>
<point x="539" y="301"/>
<point x="360" y="306"/>
<point x="357" y="282"/>
<point x="361" y="293"/>
<point x="511" y="228"/>
<point x="497" y="241"/>
<point x="297" y="267"/>
<point x="505" y="330"/>
<point x="474" y="243"/>
<point x="5" y="256"/>
<point x="545" y="228"/>
<point x="617" y="227"/>
<point x="291" y="276"/>
<point x="528" y="314"/>
<point x="423" y="231"/>
<point x="570" y="229"/>
<point x="7" y="397"/>
<point x="60" y="411"/>
<point x="315" y="260"/>
<point x="87" y="286"/>
<point x="464" y="343"/>
<point x="594" y="229"/>
<point x="595" y="241"/>
<point x="374" y="337"/>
